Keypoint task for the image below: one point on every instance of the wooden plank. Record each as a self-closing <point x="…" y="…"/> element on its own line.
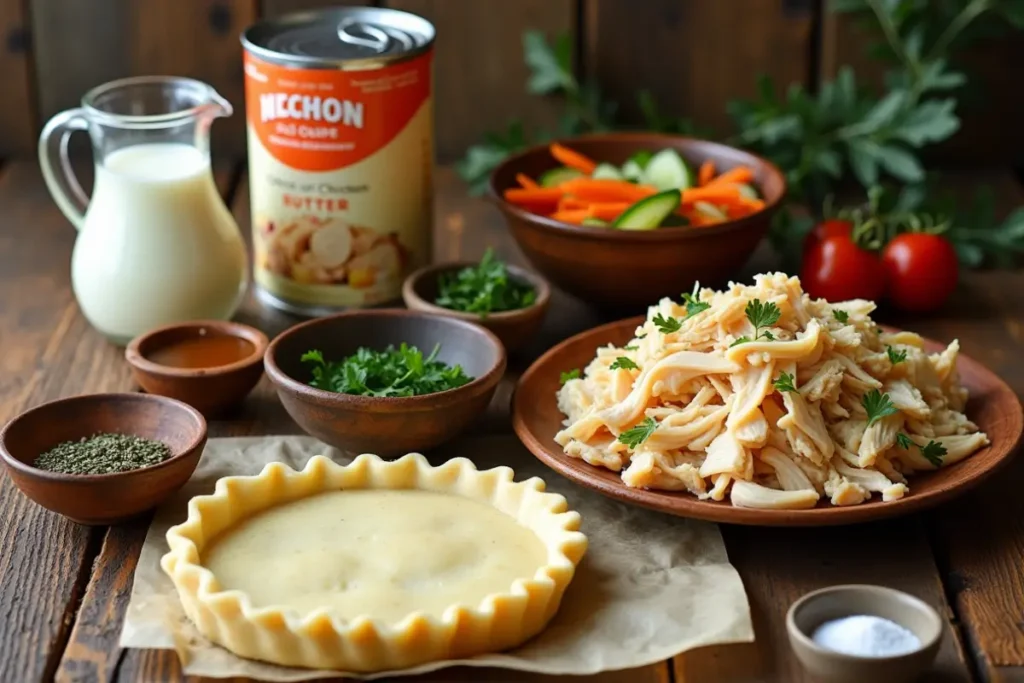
<point x="666" y="47"/>
<point x="778" y="566"/>
<point x="43" y="557"/>
<point x="480" y="76"/>
<point x="17" y="112"/>
<point x="81" y="44"/>
<point x="990" y="106"/>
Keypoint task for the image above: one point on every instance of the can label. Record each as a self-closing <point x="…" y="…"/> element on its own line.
<point x="340" y="179"/>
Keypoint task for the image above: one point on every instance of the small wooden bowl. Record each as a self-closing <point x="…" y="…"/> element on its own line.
<point x="837" y="602"/>
<point x="385" y="426"/>
<point x="209" y="390"/>
<point x="622" y="269"/>
<point x="103" y="498"/>
<point x="513" y="328"/>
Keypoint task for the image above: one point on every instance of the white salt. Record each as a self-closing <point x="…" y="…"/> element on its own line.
<point x="866" y="636"/>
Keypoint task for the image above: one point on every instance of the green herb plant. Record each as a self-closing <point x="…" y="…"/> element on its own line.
<point x="933" y="451"/>
<point x="623" y="363"/>
<point x="842" y="316"/>
<point x="760" y="315"/>
<point x="877" y="406"/>
<point x="568" y="375"/>
<point x="785" y="382"/>
<point x="896" y="355"/>
<point x="389" y="373"/>
<point x="635" y="436"/>
<point x="484" y="288"/>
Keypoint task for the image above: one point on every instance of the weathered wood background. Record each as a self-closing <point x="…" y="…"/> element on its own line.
<point x="694" y="55"/>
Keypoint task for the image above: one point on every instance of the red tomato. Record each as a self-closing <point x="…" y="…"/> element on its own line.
<point x="922" y="271"/>
<point x="836" y="269"/>
<point x="832" y="227"/>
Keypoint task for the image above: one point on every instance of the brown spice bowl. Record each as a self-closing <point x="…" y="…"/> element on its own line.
<point x="103" y="498"/>
<point x="837" y="602"/>
<point x="385" y="426"/>
<point x="632" y="269"/>
<point x="513" y="328"/>
<point x="209" y="390"/>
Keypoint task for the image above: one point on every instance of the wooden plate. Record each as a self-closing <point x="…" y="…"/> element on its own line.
<point x="535" y="416"/>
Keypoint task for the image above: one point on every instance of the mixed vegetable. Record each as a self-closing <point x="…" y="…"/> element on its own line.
<point x="483" y="288"/>
<point x="651" y="190"/>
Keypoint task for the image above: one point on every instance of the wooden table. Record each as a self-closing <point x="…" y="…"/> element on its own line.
<point x="64" y="587"/>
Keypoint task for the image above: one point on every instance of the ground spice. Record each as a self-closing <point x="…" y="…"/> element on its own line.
<point x="103" y="454"/>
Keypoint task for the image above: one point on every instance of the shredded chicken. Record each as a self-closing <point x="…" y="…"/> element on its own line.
<point x="770" y="412"/>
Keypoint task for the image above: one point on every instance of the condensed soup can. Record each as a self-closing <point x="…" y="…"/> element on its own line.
<point x="339" y="111"/>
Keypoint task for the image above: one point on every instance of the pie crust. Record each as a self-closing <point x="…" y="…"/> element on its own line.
<point x="322" y="639"/>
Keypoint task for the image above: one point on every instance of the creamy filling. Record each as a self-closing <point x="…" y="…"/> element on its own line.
<point x="382" y="554"/>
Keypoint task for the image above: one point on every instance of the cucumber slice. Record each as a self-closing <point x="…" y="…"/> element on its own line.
<point x="557" y="176"/>
<point x="748" y="191"/>
<point x="606" y="171"/>
<point x="642" y="158"/>
<point x="632" y="171"/>
<point x="674" y="220"/>
<point x="667" y="170"/>
<point x="594" y="222"/>
<point x="649" y="212"/>
<point x="711" y="211"/>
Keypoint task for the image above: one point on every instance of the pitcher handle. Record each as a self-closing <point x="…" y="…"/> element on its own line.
<point x="57" y="172"/>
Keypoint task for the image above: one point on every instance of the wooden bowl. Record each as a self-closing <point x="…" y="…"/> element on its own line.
<point x="210" y="390"/>
<point x="536" y="419"/>
<point x="385" y="426"/>
<point x="837" y="602"/>
<point x="103" y="498"/>
<point x="513" y="328"/>
<point x="631" y="269"/>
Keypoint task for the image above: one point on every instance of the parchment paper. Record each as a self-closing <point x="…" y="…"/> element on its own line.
<point x="651" y="585"/>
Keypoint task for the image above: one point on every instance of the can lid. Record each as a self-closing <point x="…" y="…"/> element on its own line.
<point x="338" y="37"/>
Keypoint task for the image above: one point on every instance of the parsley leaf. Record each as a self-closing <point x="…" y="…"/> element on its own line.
<point x="933" y="452"/>
<point x="760" y="315"/>
<point x="896" y="356"/>
<point x="637" y="435"/>
<point x="388" y="373"/>
<point x="667" y="325"/>
<point x="904" y="441"/>
<point x="693" y="304"/>
<point x="785" y="382"/>
<point x="571" y="374"/>
<point x="623" y="363"/>
<point x="483" y="288"/>
<point x="877" y="405"/>
<point x="841" y="316"/>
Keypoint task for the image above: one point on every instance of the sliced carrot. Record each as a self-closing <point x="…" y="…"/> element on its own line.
<point x="608" y="211"/>
<point x="569" y="203"/>
<point x="712" y="192"/>
<point x="526" y="182"/>
<point x="575" y="216"/>
<point x="533" y="196"/>
<point x="706" y="172"/>
<point x="606" y="190"/>
<point x="740" y="174"/>
<point x="572" y="159"/>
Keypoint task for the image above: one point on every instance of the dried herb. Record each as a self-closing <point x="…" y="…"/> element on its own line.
<point x="103" y="454"/>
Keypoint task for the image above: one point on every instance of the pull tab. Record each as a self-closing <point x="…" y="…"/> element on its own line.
<point x="372" y="37"/>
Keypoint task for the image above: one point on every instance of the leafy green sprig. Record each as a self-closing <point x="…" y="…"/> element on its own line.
<point x="388" y="373"/>
<point x="635" y="436"/>
<point x="785" y="382"/>
<point x="933" y="451"/>
<point x="760" y="315"/>
<point x="877" y="406"/>
<point x="484" y="288"/>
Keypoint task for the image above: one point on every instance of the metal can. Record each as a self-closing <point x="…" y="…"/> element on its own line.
<point x="339" y="111"/>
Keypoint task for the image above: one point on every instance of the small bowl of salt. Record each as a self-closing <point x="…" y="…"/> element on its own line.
<point x="852" y="634"/>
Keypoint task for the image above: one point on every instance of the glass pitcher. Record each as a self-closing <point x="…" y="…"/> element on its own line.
<point x="156" y="244"/>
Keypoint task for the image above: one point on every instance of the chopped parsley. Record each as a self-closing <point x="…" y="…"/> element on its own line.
<point x="571" y="374"/>
<point x="933" y="451"/>
<point x="895" y="356"/>
<point x="483" y="288"/>
<point x="631" y="347"/>
<point x="877" y="405"/>
<point x="785" y="382"/>
<point x="637" y="435"/>
<point x="841" y="316"/>
<point x="623" y="363"/>
<point x="693" y="304"/>
<point x="667" y="325"/>
<point x="388" y="373"/>
<point x="760" y="315"/>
